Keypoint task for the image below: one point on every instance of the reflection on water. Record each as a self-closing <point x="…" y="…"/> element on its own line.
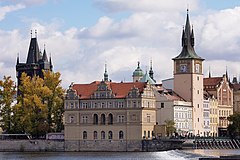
<point x="165" y="155"/>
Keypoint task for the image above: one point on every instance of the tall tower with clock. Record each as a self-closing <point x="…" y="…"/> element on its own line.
<point x="188" y="77"/>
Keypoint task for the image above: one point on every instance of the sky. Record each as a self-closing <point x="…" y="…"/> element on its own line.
<point x="82" y="36"/>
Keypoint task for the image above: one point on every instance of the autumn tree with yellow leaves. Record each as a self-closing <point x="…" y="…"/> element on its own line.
<point x="7" y="93"/>
<point x="39" y="108"/>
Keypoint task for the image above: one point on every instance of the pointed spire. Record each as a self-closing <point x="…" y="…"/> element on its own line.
<point x="18" y="58"/>
<point x="151" y="71"/>
<point x="50" y="62"/>
<point x="105" y="73"/>
<point x="33" y="51"/>
<point x="183" y="37"/>
<point x="44" y="57"/>
<point x="188" y="51"/>
<point x="209" y="74"/>
<point x="226" y="73"/>
<point x="192" y="38"/>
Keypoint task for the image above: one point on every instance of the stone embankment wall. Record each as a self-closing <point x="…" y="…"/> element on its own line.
<point x="100" y="145"/>
<point x="31" y="145"/>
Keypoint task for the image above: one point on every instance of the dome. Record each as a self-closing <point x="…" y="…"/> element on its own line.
<point x="138" y="71"/>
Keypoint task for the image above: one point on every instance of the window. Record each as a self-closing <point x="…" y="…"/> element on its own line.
<point x="71" y="105"/>
<point x="110" y="135"/>
<point x="84" y="134"/>
<point x="110" y="119"/>
<point x="95" y="135"/>
<point x="85" y="119"/>
<point x="120" y="134"/>
<point x="120" y="104"/>
<point x="148" y="119"/>
<point x="102" y="135"/>
<point x="120" y="118"/>
<point x="95" y="119"/>
<point x="76" y="105"/>
<point x="162" y="105"/>
<point x="71" y="119"/>
<point x="144" y="133"/>
<point x="103" y="119"/>
<point x="134" y="104"/>
<point x="148" y="134"/>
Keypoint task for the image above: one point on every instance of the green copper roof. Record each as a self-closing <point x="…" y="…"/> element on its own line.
<point x="138" y="71"/>
<point x="188" y="51"/>
<point x="147" y="78"/>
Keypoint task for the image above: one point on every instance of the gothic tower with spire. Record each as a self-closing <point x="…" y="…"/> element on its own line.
<point x="188" y="76"/>
<point x="36" y="61"/>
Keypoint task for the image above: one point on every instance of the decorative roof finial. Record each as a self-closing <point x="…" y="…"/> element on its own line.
<point x="31" y="33"/>
<point x="138" y="64"/>
<point x="105" y="73"/>
<point x="35" y="33"/>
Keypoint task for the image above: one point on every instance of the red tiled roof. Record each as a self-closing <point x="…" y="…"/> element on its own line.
<point x="212" y="81"/>
<point x="120" y="90"/>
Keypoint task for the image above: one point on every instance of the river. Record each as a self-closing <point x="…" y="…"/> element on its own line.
<point x="164" y="155"/>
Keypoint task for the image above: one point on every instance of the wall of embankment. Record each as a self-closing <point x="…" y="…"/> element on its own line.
<point x="31" y="146"/>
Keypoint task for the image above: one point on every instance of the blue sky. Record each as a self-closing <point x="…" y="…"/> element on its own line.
<point x="83" y="35"/>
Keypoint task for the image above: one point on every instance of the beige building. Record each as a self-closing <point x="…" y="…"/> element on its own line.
<point x="188" y="77"/>
<point x="103" y="116"/>
<point x="219" y="87"/>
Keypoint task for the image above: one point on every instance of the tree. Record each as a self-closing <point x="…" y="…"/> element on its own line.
<point x="234" y="126"/>
<point x="54" y="101"/>
<point x="31" y="110"/>
<point x="170" y="127"/>
<point x="7" y="93"/>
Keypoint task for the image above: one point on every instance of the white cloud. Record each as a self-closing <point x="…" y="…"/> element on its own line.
<point x="146" y="5"/>
<point x="221" y="34"/>
<point x="79" y="54"/>
<point x="10" y="8"/>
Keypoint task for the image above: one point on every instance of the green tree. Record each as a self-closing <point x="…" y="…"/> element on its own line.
<point x="31" y="110"/>
<point x="7" y="93"/>
<point x="54" y="101"/>
<point x="170" y="127"/>
<point x="234" y="126"/>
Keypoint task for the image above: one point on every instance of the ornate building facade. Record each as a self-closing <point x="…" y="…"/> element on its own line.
<point x="103" y="115"/>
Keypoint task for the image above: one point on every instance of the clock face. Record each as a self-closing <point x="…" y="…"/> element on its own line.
<point x="183" y="68"/>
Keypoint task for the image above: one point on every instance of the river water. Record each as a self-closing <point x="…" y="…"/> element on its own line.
<point x="163" y="155"/>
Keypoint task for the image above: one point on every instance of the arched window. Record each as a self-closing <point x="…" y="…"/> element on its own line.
<point x="110" y="135"/>
<point x="95" y="135"/>
<point x="120" y="134"/>
<point x="110" y="119"/>
<point x="103" y="119"/>
<point x="84" y="134"/>
<point x="95" y="119"/>
<point x="102" y="135"/>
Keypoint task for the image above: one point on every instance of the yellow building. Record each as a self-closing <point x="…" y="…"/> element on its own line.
<point x="109" y="116"/>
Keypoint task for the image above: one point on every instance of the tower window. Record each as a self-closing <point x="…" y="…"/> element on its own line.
<point x="162" y="105"/>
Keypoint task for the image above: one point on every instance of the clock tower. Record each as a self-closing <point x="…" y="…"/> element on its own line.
<point x="188" y="77"/>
